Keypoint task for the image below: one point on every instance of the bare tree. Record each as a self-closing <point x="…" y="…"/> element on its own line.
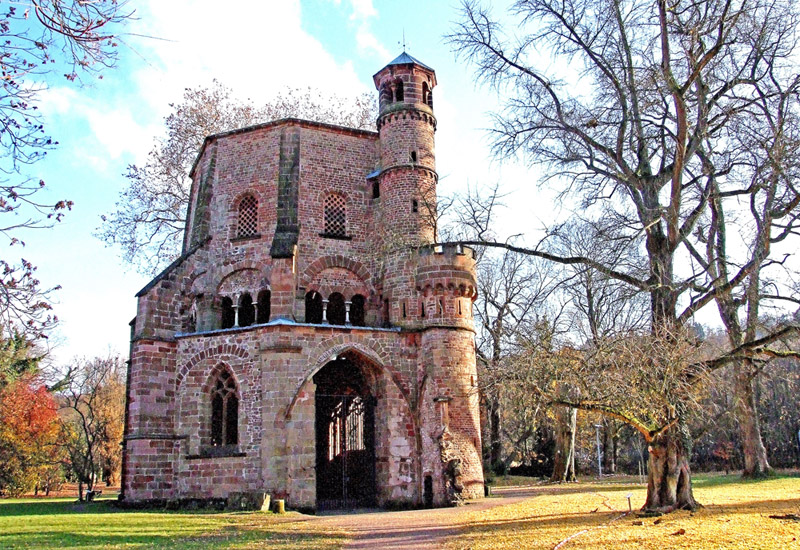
<point x="763" y="166"/>
<point x="39" y="39"/>
<point x="639" y="133"/>
<point x="513" y="291"/>
<point x="92" y="414"/>
<point x="150" y="216"/>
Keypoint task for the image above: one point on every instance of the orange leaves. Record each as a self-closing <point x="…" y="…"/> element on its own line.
<point x="29" y="434"/>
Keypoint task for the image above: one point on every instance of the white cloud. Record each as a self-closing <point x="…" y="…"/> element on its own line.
<point x="256" y="49"/>
<point x="368" y="43"/>
<point x="362" y="9"/>
<point x="56" y="100"/>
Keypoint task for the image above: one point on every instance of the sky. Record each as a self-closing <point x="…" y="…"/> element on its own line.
<point x="257" y="49"/>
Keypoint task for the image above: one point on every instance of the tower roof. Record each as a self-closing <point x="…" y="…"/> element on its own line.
<point x="404" y="59"/>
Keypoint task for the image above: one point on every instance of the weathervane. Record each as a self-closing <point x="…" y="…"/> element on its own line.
<point x="404" y="40"/>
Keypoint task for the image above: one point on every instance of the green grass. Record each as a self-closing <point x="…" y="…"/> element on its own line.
<point x="65" y="524"/>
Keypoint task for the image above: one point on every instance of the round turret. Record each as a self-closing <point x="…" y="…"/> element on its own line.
<point x="407" y="172"/>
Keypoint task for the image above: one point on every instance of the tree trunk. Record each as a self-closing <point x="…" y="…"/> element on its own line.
<point x="755" y="455"/>
<point x="564" y="459"/>
<point x="80" y="491"/>
<point x="669" y="479"/>
<point x="610" y="437"/>
<point x="495" y="443"/>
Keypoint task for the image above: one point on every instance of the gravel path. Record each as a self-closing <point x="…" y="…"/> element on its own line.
<point x="424" y="529"/>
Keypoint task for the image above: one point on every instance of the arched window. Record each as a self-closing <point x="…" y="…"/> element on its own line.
<point x="228" y="315"/>
<point x="398" y="91"/>
<point x="335" y="215"/>
<point x="248" y="217"/>
<point x="262" y="314"/>
<point x="336" y="311"/>
<point x="224" y="410"/>
<point x="427" y="95"/>
<point x="247" y="313"/>
<point x="357" y="311"/>
<point x="313" y="307"/>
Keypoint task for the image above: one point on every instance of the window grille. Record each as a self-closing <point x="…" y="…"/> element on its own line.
<point x="335" y="215"/>
<point x="248" y="217"/>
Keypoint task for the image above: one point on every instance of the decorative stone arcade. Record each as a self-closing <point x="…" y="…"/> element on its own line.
<point x="280" y="354"/>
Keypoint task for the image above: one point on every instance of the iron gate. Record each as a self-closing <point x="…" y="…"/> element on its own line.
<point x="345" y="426"/>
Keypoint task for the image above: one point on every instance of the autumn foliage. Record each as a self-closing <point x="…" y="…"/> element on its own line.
<point x="29" y="436"/>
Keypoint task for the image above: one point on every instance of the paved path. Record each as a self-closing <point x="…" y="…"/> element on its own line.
<point x="424" y="529"/>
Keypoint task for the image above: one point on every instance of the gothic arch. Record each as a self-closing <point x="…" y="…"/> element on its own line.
<point x="329" y="349"/>
<point x="223" y="354"/>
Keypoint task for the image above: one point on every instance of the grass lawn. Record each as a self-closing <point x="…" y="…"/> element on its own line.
<point x="587" y="515"/>
<point x="735" y="515"/>
<point x="64" y="524"/>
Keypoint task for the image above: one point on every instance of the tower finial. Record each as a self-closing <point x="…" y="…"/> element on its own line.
<point x="404" y="40"/>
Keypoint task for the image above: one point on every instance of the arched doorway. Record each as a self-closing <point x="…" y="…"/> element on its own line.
<point x="345" y="437"/>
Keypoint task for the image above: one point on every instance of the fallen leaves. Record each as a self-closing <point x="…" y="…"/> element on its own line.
<point x="735" y="516"/>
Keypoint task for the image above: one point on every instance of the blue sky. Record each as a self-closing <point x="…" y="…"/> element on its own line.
<point x="257" y="49"/>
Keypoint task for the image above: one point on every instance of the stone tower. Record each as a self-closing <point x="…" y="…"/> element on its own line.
<point x="407" y="162"/>
<point x="313" y="341"/>
<point x="437" y="301"/>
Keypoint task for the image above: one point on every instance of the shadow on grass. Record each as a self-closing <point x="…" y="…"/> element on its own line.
<point x="61" y="506"/>
<point x="579" y="521"/>
<point x="66" y="524"/>
<point x="230" y="537"/>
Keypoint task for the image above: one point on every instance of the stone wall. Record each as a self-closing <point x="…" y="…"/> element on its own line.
<point x="416" y="354"/>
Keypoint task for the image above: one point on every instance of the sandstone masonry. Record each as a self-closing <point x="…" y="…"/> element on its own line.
<point x="313" y="341"/>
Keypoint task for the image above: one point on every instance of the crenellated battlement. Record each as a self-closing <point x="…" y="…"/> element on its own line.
<point x="405" y="111"/>
<point x="447" y="249"/>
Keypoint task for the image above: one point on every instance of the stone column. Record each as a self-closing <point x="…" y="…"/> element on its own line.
<point x="347" y="312"/>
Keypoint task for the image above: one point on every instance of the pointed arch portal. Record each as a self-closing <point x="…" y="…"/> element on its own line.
<point x="345" y="437"/>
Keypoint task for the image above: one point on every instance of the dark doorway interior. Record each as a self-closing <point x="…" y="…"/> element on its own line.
<point x="345" y="437"/>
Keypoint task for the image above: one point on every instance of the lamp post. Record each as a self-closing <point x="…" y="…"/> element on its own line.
<point x="599" y="458"/>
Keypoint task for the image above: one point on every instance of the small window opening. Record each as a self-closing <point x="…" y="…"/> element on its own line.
<point x="313" y="307"/>
<point x="404" y="310"/>
<point x="427" y="95"/>
<point x="228" y="315"/>
<point x="441" y="306"/>
<point x="337" y="314"/>
<point x="357" y="310"/>
<point x="459" y="306"/>
<point x="414" y="206"/>
<point x="263" y="306"/>
<point x="412" y="156"/>
<point x="224" y="411"/>
<point x="248" y="217"/>
<point x="422" y="309"/>
<point x="335" y="215"/>
<point x="398" y="91"/>
<point x="376" y="189"/>
<point x="247" y="313"/>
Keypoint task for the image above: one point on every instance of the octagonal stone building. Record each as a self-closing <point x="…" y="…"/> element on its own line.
<point x="312" y="341"/>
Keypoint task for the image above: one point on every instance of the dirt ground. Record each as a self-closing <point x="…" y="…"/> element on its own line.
<point x="423" y="529"/>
